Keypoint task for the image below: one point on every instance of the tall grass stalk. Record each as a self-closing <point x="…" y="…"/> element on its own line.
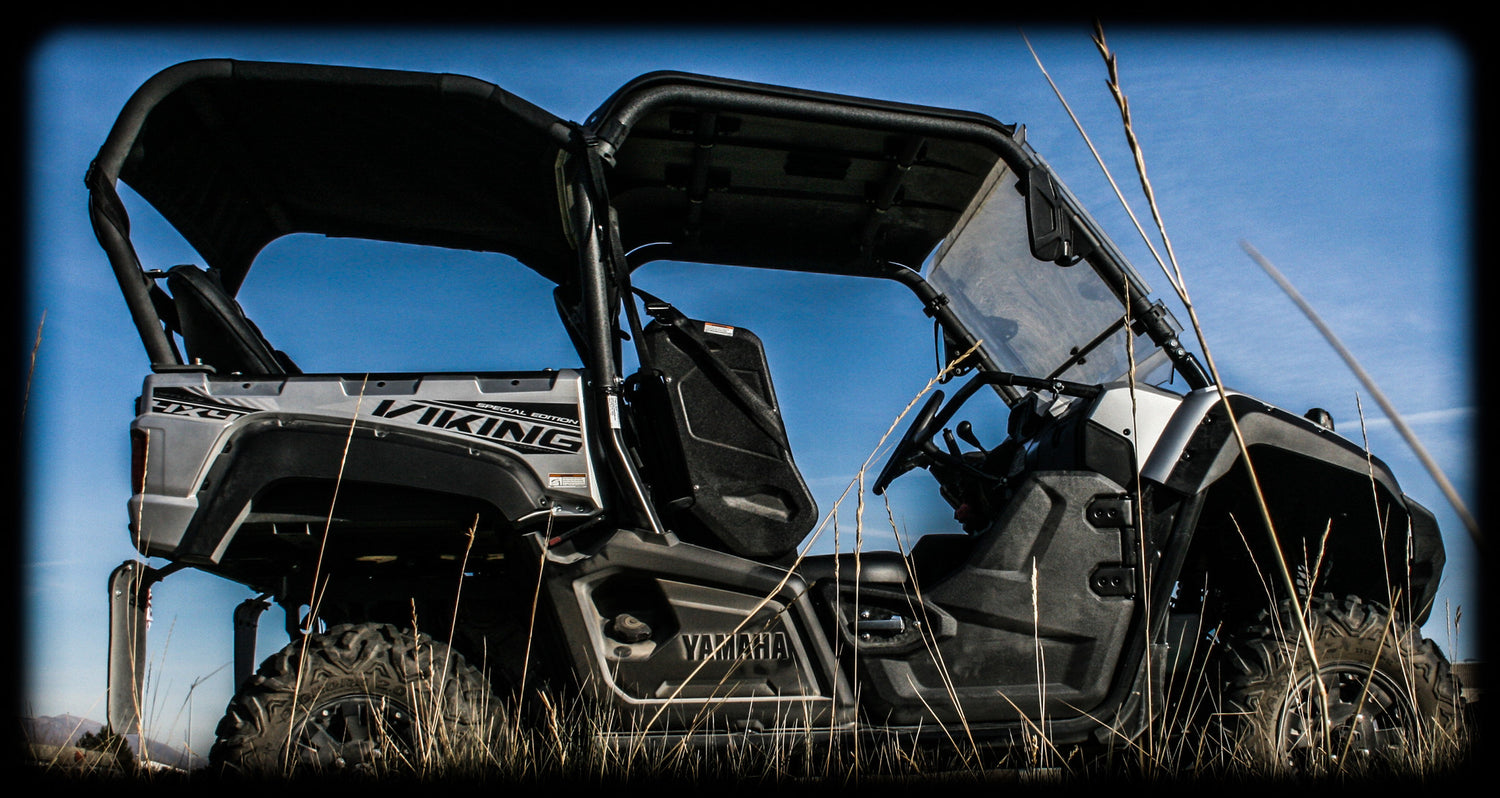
<point x="1174" y="274"/>
<point x="314" y="601"/>
<point x="859" y="538"/>
<point x="1041" y="658"/>
<point x="1380" y="398"/>
<point x="1112" y="65"/>
<point x="929" y="642"/>
<point x="138" y="586"/>
<point x="31" y="370"/>
<point x="187" y="706"/>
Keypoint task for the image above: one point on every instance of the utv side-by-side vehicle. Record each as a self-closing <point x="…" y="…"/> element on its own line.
<point x="633" y="529"/>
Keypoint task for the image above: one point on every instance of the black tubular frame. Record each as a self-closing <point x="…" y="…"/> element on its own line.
<point x="610" y="126"/>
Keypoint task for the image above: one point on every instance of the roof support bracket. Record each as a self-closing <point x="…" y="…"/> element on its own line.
<point x="886" y="193"/>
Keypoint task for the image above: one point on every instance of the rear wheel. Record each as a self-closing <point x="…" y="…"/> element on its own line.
<point x="358" y="697"/>
<point x="1381" y="695"/>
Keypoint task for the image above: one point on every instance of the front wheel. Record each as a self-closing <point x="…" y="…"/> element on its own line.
<point x="367" y="697"/>
<point x="1382" y="695"/>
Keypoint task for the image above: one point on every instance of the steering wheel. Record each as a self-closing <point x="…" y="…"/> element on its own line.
<point x="913" y="448"/>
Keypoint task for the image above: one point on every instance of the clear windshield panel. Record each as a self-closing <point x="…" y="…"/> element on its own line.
<point x="1034" y="317"/>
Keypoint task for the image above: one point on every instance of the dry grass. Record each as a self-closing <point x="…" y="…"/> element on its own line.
<point x="568" y="744"/>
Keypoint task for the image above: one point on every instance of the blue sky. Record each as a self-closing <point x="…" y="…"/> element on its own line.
<point x="1343" y="157"/>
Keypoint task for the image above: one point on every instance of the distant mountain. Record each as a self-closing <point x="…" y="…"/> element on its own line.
<point x="58" y="729"/>
<point x="66" y="729"/>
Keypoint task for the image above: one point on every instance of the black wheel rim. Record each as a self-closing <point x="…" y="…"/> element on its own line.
<point x="1369" y="717"/>
<point x="355" y="732"/>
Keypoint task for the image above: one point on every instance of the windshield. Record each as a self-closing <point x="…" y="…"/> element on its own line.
<point x="1034" y="317"/>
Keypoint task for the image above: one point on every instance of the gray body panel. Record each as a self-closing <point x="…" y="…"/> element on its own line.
<point x="533" y="419"/>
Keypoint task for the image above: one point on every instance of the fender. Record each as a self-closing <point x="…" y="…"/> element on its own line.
<point x="1315" y="481"/>
<point x="274" y="447"/>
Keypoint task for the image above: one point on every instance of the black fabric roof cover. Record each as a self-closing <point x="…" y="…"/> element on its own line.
<point x="236" y="154"/>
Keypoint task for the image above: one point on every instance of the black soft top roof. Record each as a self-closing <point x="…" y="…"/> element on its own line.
<point x="236" y="154"/>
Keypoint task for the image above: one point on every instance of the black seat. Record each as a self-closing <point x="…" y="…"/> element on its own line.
<point x="215" y="329"/>
<point x="932" y="558"/>
<point x="874" y="567"/>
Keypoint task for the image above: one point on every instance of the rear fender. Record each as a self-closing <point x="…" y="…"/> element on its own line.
<point x="209" y="449"/>
<point x="273" y="449"/>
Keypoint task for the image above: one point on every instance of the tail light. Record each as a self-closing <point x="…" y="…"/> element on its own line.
<point x="140" y="446"/>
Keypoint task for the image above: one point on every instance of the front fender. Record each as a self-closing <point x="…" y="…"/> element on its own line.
<point x="1336" y="510"/>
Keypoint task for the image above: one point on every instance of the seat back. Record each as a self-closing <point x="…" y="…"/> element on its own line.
<point x="215" y="330"/>
<point x="712" y="440"/>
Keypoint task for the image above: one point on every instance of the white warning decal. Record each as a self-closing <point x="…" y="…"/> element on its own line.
<point x="567" y="481"/>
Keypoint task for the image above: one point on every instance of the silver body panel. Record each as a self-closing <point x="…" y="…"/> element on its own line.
<point x="535" y="417"/>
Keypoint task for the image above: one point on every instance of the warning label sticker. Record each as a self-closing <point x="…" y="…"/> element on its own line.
<point x="567" y="481"/>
